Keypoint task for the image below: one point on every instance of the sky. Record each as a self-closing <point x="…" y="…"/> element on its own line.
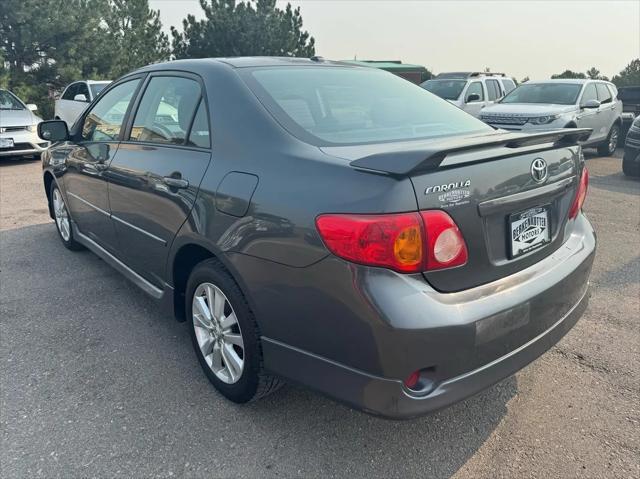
<point x="518" y="37"/>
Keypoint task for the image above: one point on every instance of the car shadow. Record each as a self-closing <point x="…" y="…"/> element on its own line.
<point x="121" y="390"/>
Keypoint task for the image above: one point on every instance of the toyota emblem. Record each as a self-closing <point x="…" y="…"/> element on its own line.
<point x="539" y="170"/>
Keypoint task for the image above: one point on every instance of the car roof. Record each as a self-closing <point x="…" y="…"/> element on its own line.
<point x="97" y="82"/>
<point x="577" y="81"/>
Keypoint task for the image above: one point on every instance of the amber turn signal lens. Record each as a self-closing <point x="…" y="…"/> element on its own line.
<point x="407" y="248"/>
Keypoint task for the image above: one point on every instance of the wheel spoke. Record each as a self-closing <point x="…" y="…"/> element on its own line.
<point x="218" y="305"/>
<point x="210" y="297"/>
<point x="207" y="346"/>
<point x="233" y="338"/>
<point x="232" y="361"/>
<point x="229" y="321"/>
<point x="202" y="313"/>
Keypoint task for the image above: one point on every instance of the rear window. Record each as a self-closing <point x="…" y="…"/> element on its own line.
<point x="333" y="105"/>
<point x="556" y="93"/>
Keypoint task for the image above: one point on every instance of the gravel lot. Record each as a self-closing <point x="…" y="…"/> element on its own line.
<point x="95" y="381"/>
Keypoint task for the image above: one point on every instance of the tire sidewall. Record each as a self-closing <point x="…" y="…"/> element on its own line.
<point x="245" y="388"/>
<point x="613" y="128"/>
<point x="71" y="243"/>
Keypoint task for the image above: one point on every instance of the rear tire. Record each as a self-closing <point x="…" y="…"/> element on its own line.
<point x="630" y="168"/>
<point x="225" y="335"/>
<point x="608" y="147"/>
<point x="62" y="219"/>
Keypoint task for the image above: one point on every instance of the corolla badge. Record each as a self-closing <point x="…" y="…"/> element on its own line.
<point x="539" y="170"/>
<point x="451" y="193"/>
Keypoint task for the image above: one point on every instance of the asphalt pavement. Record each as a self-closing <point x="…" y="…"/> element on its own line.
<point x="96" y="382"/>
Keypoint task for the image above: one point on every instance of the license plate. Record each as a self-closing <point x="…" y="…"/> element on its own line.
<point x="529" y="230"/>
<point x="6" y="142"/>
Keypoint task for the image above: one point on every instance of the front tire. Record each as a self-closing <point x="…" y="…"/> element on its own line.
<point x="608" y="147"/>
<point x="225" y="335"/>
<point x="630" y="168"/>
<point x="62" y="219"/>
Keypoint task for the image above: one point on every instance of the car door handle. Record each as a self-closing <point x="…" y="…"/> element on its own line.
<point x="175" y="182"/>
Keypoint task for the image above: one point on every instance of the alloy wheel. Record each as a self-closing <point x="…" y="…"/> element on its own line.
<point x="61" y="215"/>
<point x="218" y="333"/>
<point x="613" y="140"/>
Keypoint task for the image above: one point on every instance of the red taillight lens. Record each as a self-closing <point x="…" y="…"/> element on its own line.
<point x="392" y="241"/>
<point x="405" y="242"/>
<point x="581" y="194"/>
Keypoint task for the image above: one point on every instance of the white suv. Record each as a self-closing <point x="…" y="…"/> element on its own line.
<point x="470" y="91"/>
<point x="549" y="104"/>
<point x="75" y="99"/>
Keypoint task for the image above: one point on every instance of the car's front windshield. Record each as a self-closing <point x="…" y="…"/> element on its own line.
<point x="552" y="93"/>
<point x="336" y="105"/>
<point x="9" y="102"/>
<point x="447" y="89"/>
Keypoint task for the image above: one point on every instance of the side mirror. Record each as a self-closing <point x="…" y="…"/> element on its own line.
<point x="472" y="97"/>
<point x="590" y="104"/>
<point x="53" y="130"/>
<point x="32" y="107"/>
<point x="80" y="97"/>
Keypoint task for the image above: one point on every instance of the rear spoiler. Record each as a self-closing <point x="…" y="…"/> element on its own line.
<point x="404" y="162"/>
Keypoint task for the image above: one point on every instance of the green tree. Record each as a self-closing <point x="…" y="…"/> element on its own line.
<point x="629" y="76"/>
<point x="594" y="74"/>
<point x="233" y="28"/>
<point x="525" y="80"/>
<point x="136" y="35"/>
<point x="568" y="74"/>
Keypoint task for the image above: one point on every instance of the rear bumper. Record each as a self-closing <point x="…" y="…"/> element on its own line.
<point x="377" y="327"/>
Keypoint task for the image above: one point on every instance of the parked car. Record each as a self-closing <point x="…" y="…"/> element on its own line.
<point x="76" y="97"/>
<point x="470" y="91"/>
<point x="18" y="135"/>
<point x="334" y="225"/>
<point x="630" y="98"/>
<point x="631" y="158"/>
<point x="544" y="105"/>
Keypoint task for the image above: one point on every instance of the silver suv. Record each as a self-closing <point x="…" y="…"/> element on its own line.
<point x="544" y="105"/>
<point x="470" y="91"/>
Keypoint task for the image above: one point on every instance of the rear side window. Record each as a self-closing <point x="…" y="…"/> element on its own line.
<point x="343" y="105"/>
<point x="508" y="85"/>
<point x="604" y="95"/>
<point x="493" y="90"/>
<point x="166" y="110"/>
<point x="104" y="120"/>
<point x="199" y="135"/>
<point x="589" y="93"/>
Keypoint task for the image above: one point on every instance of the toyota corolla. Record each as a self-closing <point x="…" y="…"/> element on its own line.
<point x="328" y="224"/>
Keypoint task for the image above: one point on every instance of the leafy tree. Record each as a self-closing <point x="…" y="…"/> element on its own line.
<point x="136" y="34"/>
<point x="594" y="74"/>
<point x="629" y="76"/>
<point x="525" y="80"/>
<point x="254" y="27"/>
<point x="569" y="74"/>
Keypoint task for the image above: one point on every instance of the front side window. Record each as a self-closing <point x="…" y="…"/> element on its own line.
<point x="447" y="89"/>
<point x="342" y="105"/>
<point x="475" y="88"/>
<point x="83" y="90"/>
<point x="166" y="110"/>
<point x="589" y="93"/>
<point x="70" y="92"/>
<point x="552" y="93"/>
<point x="493" y="90"/>
<point x="604" y="95"/>
<point x="104" y="120"/>
<point x="9" y="102"/>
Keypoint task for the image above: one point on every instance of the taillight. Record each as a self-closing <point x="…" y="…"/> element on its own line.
<point x="581" y="194"/>
<point x="404" y="242"/>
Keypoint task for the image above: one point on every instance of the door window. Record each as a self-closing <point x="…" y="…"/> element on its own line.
<point x="166" y="110"/>
<point x="604" y="95"/>
<point x="475" y="88"/>
<point x="589" y="93"/>
<point x="82" y="90"/>
<point x="70" y="92"/>
<point x="508" y="85"/>
<point x="104" y="120"/>
<point x="493" y="90"/>
<point x="199" y="135"/>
